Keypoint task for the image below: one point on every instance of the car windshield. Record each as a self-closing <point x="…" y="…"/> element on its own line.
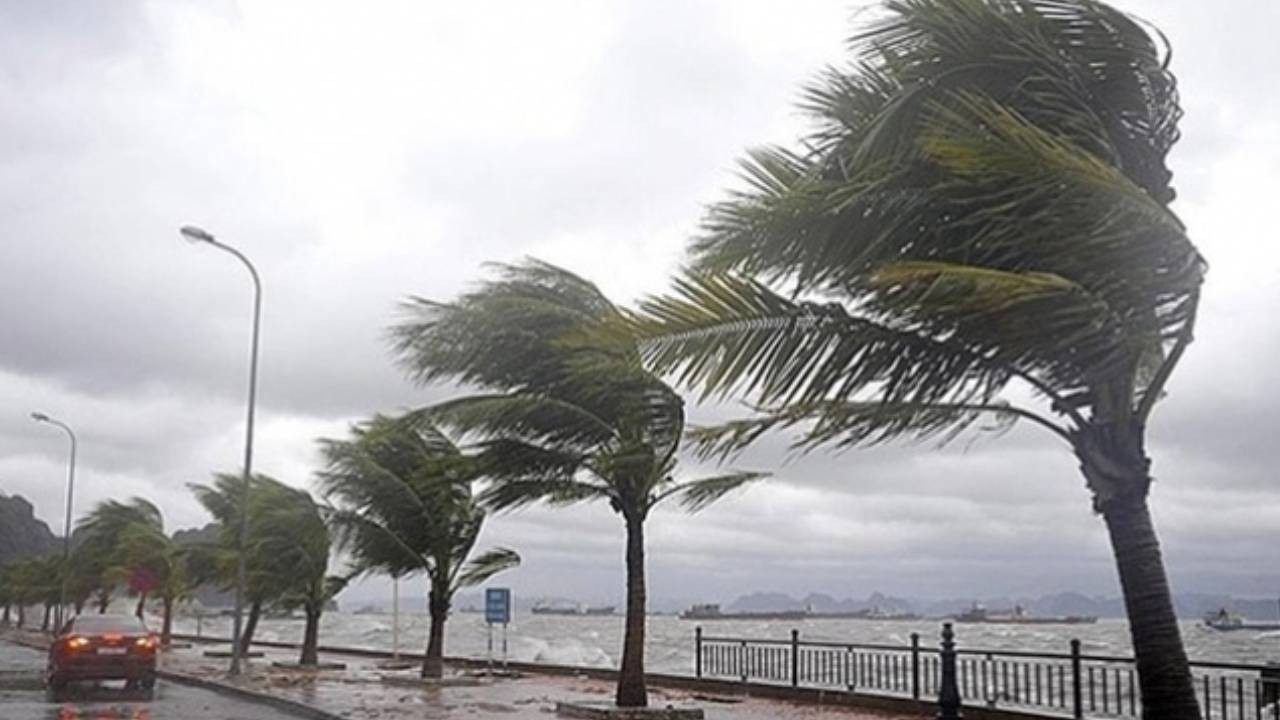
<point x="108" y="624"/>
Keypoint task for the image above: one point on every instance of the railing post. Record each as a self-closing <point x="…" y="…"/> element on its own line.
<point x="697" y="652"/>
<point x="795" y="658"/>
<point x="1077" y="699"/>
<point x="949" y="691"/>
<point x="915" y="666"/>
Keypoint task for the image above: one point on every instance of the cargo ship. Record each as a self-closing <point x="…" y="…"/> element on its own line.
<point x="712" y="611"/>
<point x="1018" y="616"/>
<point x="572" y="610"/>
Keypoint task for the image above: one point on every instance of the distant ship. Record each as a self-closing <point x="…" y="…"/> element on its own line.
<point x="1018" y="616"/>
<point x="712" y="611"/>
<point x="1226" y="620"/>
<point x="571" y="610"/>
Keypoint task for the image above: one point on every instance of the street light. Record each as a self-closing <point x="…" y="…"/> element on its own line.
<point x="198" y="235"/>
<point x="66" y="525"/>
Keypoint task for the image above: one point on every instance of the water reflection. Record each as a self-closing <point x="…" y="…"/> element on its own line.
<point x="69" y="712"/>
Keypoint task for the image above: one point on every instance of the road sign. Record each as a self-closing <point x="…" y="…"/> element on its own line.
<point x="497" y="605"/>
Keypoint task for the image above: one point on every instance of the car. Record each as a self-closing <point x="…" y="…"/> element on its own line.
<point x="103" y="647"/>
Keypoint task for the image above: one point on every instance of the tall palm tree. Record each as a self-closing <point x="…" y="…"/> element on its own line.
<point x="564" y="417"/>
<point x="982" y="206"/>
<point x="404" y="505"/>
<point x="147" y="551"/>
<point x="221" y="499"/>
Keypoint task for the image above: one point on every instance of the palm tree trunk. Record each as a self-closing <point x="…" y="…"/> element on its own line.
<point x="250" y="625"/>
<point x="104" y="599"/>
<point x="142" y="603"/>
<point x="5" y="620"/>
<point x="311" y="637"/>
<point x="166" y="629"/>
<point x="433" y="663"/>
<point x="631" y="683"/>
<point x="48" y="614"/>
<point x="1164" y="675"/>
<point x="22" y="615"/>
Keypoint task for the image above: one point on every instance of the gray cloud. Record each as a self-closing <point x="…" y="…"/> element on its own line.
<point x="362" y="158"/>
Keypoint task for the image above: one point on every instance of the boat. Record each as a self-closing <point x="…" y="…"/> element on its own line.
<point x="712" y="611"/>
<point x="1225" y="620"/>
<point x="571" y="610"/>
<point x="1019" y="616"/>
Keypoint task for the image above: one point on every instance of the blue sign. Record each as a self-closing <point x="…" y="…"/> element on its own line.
<point x="497" y="605"/>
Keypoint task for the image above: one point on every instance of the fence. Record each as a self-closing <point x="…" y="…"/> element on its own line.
<point x="1070" y="684"/>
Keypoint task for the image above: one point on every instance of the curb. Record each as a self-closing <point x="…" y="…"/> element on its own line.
<point x="292" y="707"/>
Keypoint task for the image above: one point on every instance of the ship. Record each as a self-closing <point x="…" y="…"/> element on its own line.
<point x="572" y="610"/>
<point x="1018" y="616"/>
<point x="1226" y="620"/>
<point x="711" y="611"/>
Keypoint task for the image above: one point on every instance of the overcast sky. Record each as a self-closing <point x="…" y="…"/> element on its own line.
<point x="359" y="153"/>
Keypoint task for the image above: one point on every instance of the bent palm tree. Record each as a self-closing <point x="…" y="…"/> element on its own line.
<point x="292" y="531"/>
<point x="983" y="203"/>
<point x="565" y="418"/>
<point x="262" y="568"/>
<point x="119" y="538"/>
<point x="403" y="506"/>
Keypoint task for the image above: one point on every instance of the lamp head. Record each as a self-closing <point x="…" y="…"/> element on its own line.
<point x="195" y="234"/>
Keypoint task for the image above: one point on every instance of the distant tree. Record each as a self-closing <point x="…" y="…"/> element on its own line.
<point x="982" y="206"/>
<point x="563" y="416"/>
<point x="404" y="505"/>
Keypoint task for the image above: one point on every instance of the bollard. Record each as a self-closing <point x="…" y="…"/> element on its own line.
<point x="948" y="691"/>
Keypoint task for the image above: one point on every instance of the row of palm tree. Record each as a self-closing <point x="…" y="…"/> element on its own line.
<point x="402" y="504"/>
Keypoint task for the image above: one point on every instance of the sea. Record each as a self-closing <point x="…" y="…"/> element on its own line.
<point x="596" y="641"/>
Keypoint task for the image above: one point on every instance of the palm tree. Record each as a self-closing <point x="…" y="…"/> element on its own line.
<point x="404" y="505"/>
<point x="148" y="552"/>
<point x="983" y="206"/>
<point x="292" y="531"/>
<point x="119" y="535"/>
<point x="564" y="417"/>
<point x="262" y="568"/>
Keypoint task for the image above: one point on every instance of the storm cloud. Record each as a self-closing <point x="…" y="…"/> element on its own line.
<point x="360" y="155"/>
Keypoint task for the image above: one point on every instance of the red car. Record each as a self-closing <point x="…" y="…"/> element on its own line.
<point x="103" y="647"/>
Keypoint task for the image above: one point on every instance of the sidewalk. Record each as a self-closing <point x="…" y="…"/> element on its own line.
<point x="360" y="692"/>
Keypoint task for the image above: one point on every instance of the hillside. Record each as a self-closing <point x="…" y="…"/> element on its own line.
<point x="21" y="533"/>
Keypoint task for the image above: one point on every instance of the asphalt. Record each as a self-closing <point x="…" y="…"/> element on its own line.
<point x="22" y="699"/>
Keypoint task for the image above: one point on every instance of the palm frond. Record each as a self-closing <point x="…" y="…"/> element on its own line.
<point x="486" y="565"/>
<point x="696" y="495"/>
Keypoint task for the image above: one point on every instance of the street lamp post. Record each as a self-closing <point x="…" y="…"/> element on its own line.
<point x="66" y="524"/>
<point x="197" y="235"/>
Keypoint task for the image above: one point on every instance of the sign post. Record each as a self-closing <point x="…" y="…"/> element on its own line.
<point x="497" y="609"/>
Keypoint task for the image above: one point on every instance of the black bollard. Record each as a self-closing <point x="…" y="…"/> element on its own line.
<point x="949" y="690"/>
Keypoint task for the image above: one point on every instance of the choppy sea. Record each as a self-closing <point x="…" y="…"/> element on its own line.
<point x="596" y="641"/>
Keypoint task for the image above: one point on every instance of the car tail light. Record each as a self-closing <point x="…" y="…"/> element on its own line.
<point x="145" y="643"/>
<point x="76" y="643"/>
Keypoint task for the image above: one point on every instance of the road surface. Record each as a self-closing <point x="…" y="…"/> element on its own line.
<point x="20" y="699"/>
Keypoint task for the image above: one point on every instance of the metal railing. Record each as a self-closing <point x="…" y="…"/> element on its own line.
<point x="1070" y="684"/>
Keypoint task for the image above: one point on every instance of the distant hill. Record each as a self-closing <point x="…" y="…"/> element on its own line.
<point x="21" y="533"/>
<point x="1188" y="605"/>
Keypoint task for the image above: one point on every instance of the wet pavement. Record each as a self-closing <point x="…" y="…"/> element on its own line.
<point x="363" y="691"/>
<point x="21" y="698"/>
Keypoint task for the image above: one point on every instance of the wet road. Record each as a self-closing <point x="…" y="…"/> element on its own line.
<point x="21" y="699"/>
